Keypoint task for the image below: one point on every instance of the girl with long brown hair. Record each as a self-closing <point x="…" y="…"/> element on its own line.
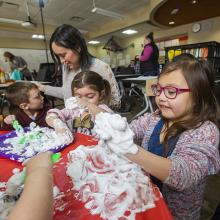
<point x="180" y="140"/>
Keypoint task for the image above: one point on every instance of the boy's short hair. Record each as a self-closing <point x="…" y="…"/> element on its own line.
<point x="18" y="92"/>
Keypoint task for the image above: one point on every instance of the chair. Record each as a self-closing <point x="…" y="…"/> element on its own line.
<point x="46" y="72"/>
<point x="3" y="101"/>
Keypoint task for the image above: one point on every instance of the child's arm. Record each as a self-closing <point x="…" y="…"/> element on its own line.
<point x="155" y="165"/>
<point x="140" y="125"/>
<point x="195" y="157"/>
<point x="37" y="198"/>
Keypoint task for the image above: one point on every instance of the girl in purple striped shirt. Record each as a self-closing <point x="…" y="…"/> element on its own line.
<point x="180" y="140"/>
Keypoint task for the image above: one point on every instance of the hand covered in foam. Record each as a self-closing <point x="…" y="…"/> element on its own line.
<point x="62" y="130"/>
<point x="83" y="102"/>
<point x="72" y="103"/>
<point x="114" y="130"/>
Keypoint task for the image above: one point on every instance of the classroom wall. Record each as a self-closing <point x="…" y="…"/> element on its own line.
<point x="210" y="31"/>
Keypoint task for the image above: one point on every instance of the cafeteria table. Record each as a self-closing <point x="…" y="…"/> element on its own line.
<point x="67" y="207"/>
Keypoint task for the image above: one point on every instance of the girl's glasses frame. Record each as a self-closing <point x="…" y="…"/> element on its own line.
<point x="170" y="92"/>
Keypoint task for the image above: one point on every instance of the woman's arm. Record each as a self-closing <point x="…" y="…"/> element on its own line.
<point x="36" y="201"/>
<point x="148" y="50"/>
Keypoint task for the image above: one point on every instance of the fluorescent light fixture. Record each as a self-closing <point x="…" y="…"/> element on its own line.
<point x="171" y="22"/>
<point x="38" y="36"/>
<point x="12" y="21"/>
<point x="94" y="42"/>
<point x="106" y="13"/>
<point x="129" y="31"/>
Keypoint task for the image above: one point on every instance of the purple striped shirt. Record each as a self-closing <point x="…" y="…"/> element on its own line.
<point x="195" y="157"/>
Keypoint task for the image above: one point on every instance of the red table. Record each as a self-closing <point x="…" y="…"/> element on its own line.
<point x="72" y="209"/>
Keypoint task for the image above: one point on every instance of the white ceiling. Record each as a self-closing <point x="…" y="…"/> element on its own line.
<point x="57" y="12"/>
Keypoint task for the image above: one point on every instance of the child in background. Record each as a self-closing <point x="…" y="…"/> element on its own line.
<point x="180" y="140"/>
<point x="27" y="103"/>
<point x="91" y="92"/>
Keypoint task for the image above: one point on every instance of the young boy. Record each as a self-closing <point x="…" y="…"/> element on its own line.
<point x="27" y="104"/>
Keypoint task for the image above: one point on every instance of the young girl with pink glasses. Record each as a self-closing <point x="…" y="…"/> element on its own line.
<point x="180" y="140"/>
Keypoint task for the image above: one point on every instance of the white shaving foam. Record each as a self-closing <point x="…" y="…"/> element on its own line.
<point x="108" y="184"/>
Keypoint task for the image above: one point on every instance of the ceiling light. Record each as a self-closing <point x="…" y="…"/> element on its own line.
<point x="94" y="42"/>
<point x="174" y="11"/>
<point x="77" y="19"/>
<point x="194" y="2"/>
<point x="38" y="36"/>
<point x="105" y="12"/>
<point x="129" y="31"/>
<point x="171" y="22"/>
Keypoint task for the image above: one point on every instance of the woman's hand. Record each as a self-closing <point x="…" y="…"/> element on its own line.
<point x="9" y="119"/>
<point x="40" y="86"/>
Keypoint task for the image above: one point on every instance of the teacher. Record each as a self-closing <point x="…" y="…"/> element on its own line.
<point x="69" y="50"/>
<point x="149" y="65"/>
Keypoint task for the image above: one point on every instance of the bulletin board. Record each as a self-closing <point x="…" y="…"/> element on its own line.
<point x="32" y="57"/>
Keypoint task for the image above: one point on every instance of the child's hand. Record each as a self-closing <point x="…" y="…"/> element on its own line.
<point x="9" y="119"/>
<point x="62" y="129"/>
<point x="83" y="102"/>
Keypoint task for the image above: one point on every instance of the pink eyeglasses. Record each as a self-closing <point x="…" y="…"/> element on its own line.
<point x="169" y="91"/>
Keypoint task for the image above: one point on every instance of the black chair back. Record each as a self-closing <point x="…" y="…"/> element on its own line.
<point x="46" y="72"/>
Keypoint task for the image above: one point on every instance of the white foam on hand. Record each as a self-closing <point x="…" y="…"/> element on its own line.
<point x="62" y="131"/>
<point x="114" y="130"/>
<point x="72" y="103"/>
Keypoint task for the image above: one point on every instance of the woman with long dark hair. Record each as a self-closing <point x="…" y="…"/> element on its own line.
<point x="69" y="50"/>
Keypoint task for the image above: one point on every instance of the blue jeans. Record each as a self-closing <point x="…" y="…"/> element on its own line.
<point x="151" y="73"/>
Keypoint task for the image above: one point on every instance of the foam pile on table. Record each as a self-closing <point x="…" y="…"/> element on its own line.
<point x="107" y="182"/>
